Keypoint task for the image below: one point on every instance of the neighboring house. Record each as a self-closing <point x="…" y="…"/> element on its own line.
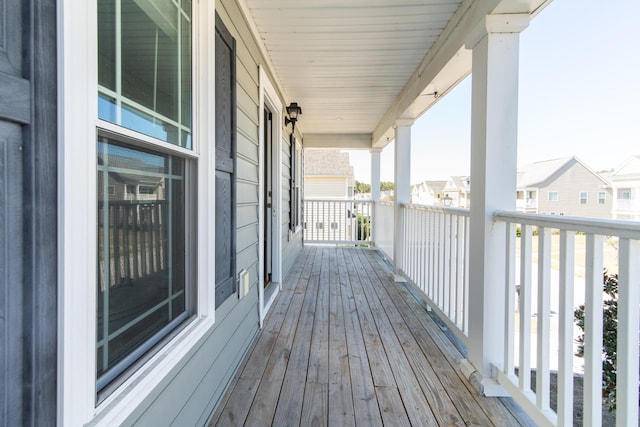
<point x="564" y="186"/>
<point x="458" y="188"/>
<point x="328" y="174"/>
<point x="625" y="182"/>
<point x="428" y="193"/>
<point x="328" y="180"/>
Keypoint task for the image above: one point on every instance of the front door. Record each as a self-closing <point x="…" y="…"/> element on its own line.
<point x="268" y="198"/>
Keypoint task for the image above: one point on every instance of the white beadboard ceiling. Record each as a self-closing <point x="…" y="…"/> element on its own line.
<point x="354" y="65"/>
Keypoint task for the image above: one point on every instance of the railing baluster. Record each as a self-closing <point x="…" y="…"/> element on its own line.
<point x="544" y="284"/>
<point x="524" y="372"/>
<point x="565" y="328"/>
<point x="593" y="331"/>
<point x="628" y="318"/>
<point x="510" y="295"/>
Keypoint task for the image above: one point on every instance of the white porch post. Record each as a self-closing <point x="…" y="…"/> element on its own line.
<point x="402" y="188"/>
<point x="494" y="115"/>
<point x="375" y="191"/>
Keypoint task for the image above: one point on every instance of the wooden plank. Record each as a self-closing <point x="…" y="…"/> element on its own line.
<point x="391" y="407"/>
<point x="377" y="357"/>
<point x="315" y="408"/>
<point x="365" y="405"/>
<point x="415" y="401"/>
<point x="289" y="408"/>
<point x="465" y="404"/>
<point x="318" y="370"/>
<point x="492" y="407"/>
<point x="341" y="411"/>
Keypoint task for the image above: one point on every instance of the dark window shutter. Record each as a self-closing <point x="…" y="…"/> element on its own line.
<point x="28" y="220"/>
<point x="225" y="163"/>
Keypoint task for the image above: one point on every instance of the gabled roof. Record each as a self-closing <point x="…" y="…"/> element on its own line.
<point x="457" y="182"/>
<point x="434" y="186"/>
<point x="327" y="163"/>
<point x="631" y="166"/>
<point x="537" y="174"/>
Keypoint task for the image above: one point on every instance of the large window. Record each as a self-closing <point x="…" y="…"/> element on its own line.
<point x="144" y="85"/>
<point x="144" y="67"/>
<point x="141" y="253"/>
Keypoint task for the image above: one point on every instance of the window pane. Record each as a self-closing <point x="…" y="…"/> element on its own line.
<point x="152" y="53"/>
<point x="141" y="252"/>
<point x="107" y="44"/>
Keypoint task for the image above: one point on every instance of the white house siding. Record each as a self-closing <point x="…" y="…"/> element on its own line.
<point x="569" y="183"/>
<point x="189" y="395"/>
<point x="325" y="187"/>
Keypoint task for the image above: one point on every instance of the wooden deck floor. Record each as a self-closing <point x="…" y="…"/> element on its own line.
<point x="344" y="345"/>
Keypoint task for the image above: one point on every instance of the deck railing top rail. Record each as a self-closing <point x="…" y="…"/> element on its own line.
<point x="606" y="227"/>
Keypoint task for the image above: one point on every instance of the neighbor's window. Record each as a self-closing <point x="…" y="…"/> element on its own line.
<point x="144" y="85"/>
<point x="624" y="194"/>
<point x="602" y="197"/>
<point x="553" y="196"/>
<point x="583" y="197"/>
<point x="144" y="67"/>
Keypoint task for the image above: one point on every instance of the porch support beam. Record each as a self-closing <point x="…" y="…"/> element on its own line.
<point x="375" y="191"/>
<point x="402" y="188"/>
<point x="494" y="115"/>
<point x="352" y="141"/>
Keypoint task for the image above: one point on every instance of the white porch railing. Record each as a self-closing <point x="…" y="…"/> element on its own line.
<point x="383" y="228"/>
<point x="550" y="273"/>
<point x="435" y="260"/>
<point x="337" y="221"/>
<point x="564" y="272"/>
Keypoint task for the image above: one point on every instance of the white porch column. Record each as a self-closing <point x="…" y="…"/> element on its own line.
<point x="375" y="174"/>
<point x="494" y="115"/>
<point x="375" y="192"/>
<point x="402" y="187"/>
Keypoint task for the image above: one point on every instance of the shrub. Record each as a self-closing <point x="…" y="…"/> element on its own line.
<point x="364" y="227"/>
<point x="609" y="339"/>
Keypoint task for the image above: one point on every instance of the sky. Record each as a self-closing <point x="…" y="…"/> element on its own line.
<point x="579" y="94"/>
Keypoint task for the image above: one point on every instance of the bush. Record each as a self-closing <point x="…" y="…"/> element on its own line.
<point x="609" y="339"/>
<point x="364" y="227"/>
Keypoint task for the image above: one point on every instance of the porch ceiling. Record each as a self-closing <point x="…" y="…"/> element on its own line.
<point x="356" y="66"/>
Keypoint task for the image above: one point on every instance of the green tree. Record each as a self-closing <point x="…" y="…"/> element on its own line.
<point x="386" y="185"/>
<point x="609" y="339"/>
<point x="362" y="187"/>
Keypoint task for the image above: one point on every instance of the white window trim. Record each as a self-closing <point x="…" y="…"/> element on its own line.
<point x="269" y="98"/>
<point x="77" y="128"/>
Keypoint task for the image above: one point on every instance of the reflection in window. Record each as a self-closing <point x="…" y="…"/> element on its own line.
<point x="144" y="67"/>
<point x="141" y="253"/>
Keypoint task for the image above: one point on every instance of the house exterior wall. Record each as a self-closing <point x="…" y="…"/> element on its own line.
<point x="569" y="182"/>
<point x="198" y="363"/>
<point x="326" y="187"/>
<point x="626" y="191"/>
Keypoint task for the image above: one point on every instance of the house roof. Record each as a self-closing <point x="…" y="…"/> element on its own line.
<point x="630" y="167"/>
<point x="457" y="182"/>
<point x="327" y="163"/>
<point x="434" y="186"/>
<point x="538" y="173"/>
